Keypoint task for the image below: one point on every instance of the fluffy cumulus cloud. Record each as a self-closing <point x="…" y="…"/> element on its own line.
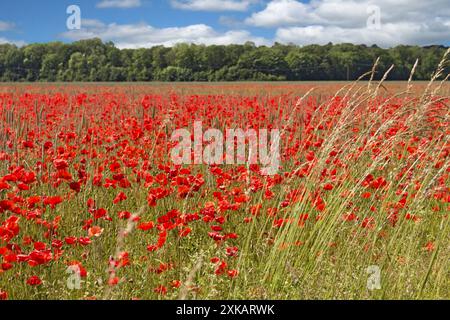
<point x="18" y="43"/>
<point x="119" y="4"/>
<point x="323" y="21"/>
<point x="289" y="21"/>
<point x="144" y="35"/>
<point x="6" y="26"/>
<point x="9" y="26"/>
<point x="212" y="5"/>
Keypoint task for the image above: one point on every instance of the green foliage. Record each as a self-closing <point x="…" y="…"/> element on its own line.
<point x="93" y="60"/>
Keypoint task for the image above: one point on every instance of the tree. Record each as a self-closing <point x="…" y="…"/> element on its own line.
<point x="264" y="61"/>
<point x="14" y="70"/>
<point x="93" y="60"/>
<point x="49" y="68"/>
<point x="303" y="65"/>
<point x="78" y="68"/>
<point x="33" y="58"/>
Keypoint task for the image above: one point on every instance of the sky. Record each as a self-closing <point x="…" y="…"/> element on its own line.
<point x="146" y="23"/>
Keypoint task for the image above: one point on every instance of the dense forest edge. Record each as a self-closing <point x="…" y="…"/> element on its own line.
<point x="92" y="60"/>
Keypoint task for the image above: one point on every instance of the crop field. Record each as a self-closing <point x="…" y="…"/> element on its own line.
<point x="92" y="205"/>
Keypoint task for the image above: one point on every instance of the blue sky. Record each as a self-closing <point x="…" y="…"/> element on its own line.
<point x="145" y="23"/>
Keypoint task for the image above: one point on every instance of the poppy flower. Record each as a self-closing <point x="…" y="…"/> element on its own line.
<point x="366" y="195"/>
<point x="124" y="215"/>
<point x="145" y="226"/>
<point x="221" y="268"/>
<point x="75" y="186"/>
<point x="84" y="241"/>
<point x="71" y="240"/>
<point x="57" y="244"/>
<point x="119" y="198"/>
<point x="231" y="236"/>
<point x="429" y="246"/>
<point x="39" y="246"/>
<point x="349" y="217"/>
<point x="184" y="232"/>
<point x="162" y="290"/>
<point x="99" y="213"/>
<point x="34" y="281"/>
<point x="215" y="260"/>
<point x="232" y="251"/>
<point x="6" y="266"/>
<point x="232" y="273"/>
<point x="52" y="201"/>
<point x="95" y="231"/>
<point x="4" y="185"/>
<point x="3" y="295"/>
<point x="60" y="164"/>
<point x="113" y="281"/>
<point x="256" y="209"/>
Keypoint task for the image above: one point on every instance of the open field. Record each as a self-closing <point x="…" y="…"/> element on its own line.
<point x="93" y="207"/>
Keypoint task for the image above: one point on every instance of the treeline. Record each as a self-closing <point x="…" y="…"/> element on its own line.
<point x="93" y="60"/>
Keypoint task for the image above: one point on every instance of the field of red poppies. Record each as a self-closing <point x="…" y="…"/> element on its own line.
<point x="92" y="207"/>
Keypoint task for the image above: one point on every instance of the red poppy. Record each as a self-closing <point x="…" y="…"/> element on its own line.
<point x="184" y="232"/>
<point x="95" y="231"/>
<point x="52" y="201"/>
<point x="75" y="186"/>
<point x="366" y="195"/>
<point x="39" y="246"/>
<point x="162" y="290"/>
<point x="232" y="251"/>
<point x="60" y="164"/>
<point x="120" y="197"/>
<point x="84" y="241"/>
<point x="34" y="281"/>
<point x="145" y="226"/>
<point x="6" y="266"/>
<point x="113" y="281"/>
<point x="429" y="246"/>
<point x="215" y="260"/>
<point x="3" y="295"/>
<point x="328" y="187"/>
<point x="232" y="273"/>
<point x="125" y="215"/>
<point x="221" y="268"/>
<point x="71" y="240"/>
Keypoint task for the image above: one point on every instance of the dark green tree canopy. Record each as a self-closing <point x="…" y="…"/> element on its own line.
<point x="93" y="60"/>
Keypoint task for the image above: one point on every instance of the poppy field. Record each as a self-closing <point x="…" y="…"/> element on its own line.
<point x="92" y="207"/>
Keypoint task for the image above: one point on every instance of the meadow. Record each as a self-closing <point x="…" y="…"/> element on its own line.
<point x="92" y="207"/>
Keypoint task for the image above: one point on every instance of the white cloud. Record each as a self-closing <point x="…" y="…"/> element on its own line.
<point x="18" y="43"/>
<point x="92" y="23"/>
<point x="119" y="4"/>
<point x="281" y="12"/>
<point x="323" y="21"/>
<point x="212" y="5"/>
<point x="144" y="36"/>
<point x="5" y="26"/>
<point x="8" y="26"/>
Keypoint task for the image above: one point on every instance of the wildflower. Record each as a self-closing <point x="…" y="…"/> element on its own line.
<point x="162" y="290"/>
<point x="95" y="231"/>
<point x="232" y="273"/>
<point x="429" y="246"/>
<point x="34" y="281"/>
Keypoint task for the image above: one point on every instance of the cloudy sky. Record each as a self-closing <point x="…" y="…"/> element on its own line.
<point x="145" y="23"/>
